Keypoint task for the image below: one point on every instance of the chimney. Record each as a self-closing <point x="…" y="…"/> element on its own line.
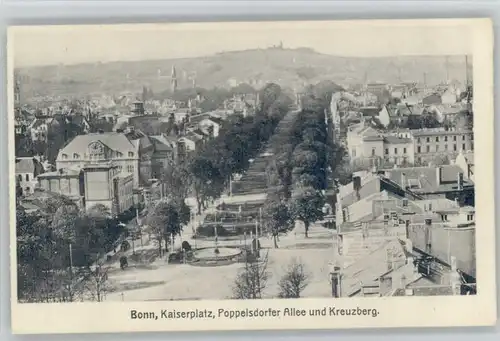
<point x="439" y="173"/>
<point x="460" y="181"/>
<point x="389" y="260"/>
<point x="407" y="228"/>
<point x="428" y="235"/>
<point x="356" y="183"/>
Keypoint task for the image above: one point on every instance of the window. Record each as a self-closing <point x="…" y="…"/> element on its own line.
<point x="471" y="146"/>
<point x="463" y="147"/>
<point x="130" y="154"/>
<point x="445" y="217"/>
<point x="419" y="149"/>
<point x="454" y="147"/>
<point x="27" y="190"/>
<point x="446" y="139"/>
<point x="354" y="153"/>
<point x="437" y="138"/>
<point x="76" y="156"/>
<point x="470" y="217"/>
<point x="387" y="151"/>
<point x="130" y="168"/>
<point x="472" y="137"/>
<point x="27" y="177"/>
<point x="404" y="150"/>
<point x="437" y="148"/>
<point x="463" y="137"/>
<point x="373" y="151"/>
<point x="445" y="147"/>
<point x="428" y="139"/>
<point x="454" y="138"/>
<point x="64" y="156"/>
<point x="20" y="178"/>
<point x="418" y="140"/>
<point x="395" y="150"/>
<point x="428" y="149"/>
<point x="118" y="154"/>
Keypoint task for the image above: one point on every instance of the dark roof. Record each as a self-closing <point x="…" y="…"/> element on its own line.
<point x="195" y="119"/>
<point x="427" y="178"/>
<point x="217" y="120"/>
<point x="370" y="111"/>
<point x="161" y="143"/>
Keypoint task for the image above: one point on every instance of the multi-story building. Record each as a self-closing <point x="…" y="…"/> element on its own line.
<point x="368" y="147"/>
<point x="67" y="182"/>
<point x="165" y="154"/>
<point x="27" y="169"/>
<point x="440" y="145"/>
<point x="99" y="183"/>
<point x="131" y="152"/>
<point x="107" y="185"/>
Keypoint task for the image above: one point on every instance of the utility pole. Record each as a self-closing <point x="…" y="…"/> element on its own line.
<point x="71" y="272"/>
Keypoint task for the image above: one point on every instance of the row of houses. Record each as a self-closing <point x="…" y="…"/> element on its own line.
<point x="405" y="232"/>
<point x="115" y="168"/>
<point x="367" y="145"/>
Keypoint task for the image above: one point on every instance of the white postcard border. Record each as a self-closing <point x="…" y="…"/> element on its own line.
<point x="477" y="310"/>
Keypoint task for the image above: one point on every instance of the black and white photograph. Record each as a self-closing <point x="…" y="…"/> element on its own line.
<point x="189" y="164"/>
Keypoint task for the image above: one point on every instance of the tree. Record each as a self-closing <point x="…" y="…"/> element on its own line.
<point x="268" y="95"/>
<point x="207" y="180"/>
<point x="278" y="218"/>
<point x="307" y="206"/>
<point x="252" y="280"/>
<point x="64" y="222"/>
<point x="176" y="179"/>
<point x="51" y="204"/>
<point x="96" y="282"/>
<point x="295" y="280"/>
<point x="184" y="213"/>
<point x="165" y="222"/>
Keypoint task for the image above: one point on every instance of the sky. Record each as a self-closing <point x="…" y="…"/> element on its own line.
<point x="48" y="45"/>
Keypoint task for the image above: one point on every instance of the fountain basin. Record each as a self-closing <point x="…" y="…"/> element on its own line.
<point x="208" y="254"/>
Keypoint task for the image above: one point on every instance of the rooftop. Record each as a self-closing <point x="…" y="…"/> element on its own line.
<point x="396" y="140"/>
<point x="113" y="140"/>
<point x="438" y="131"/>
<point x="25" y="165"/>
<point x="63" y="172"/>
<point x="428" y="179"/>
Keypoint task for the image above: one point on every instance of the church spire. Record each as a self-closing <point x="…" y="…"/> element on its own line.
<point x="173" y="81"/>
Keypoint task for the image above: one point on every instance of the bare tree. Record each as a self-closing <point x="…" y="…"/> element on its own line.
<point x="294" y="281"/>
<point x="97" y="282"/>
<point x="252" y="280"/>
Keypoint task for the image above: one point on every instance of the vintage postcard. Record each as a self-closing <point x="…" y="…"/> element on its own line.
<point x="252" y="175"/>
